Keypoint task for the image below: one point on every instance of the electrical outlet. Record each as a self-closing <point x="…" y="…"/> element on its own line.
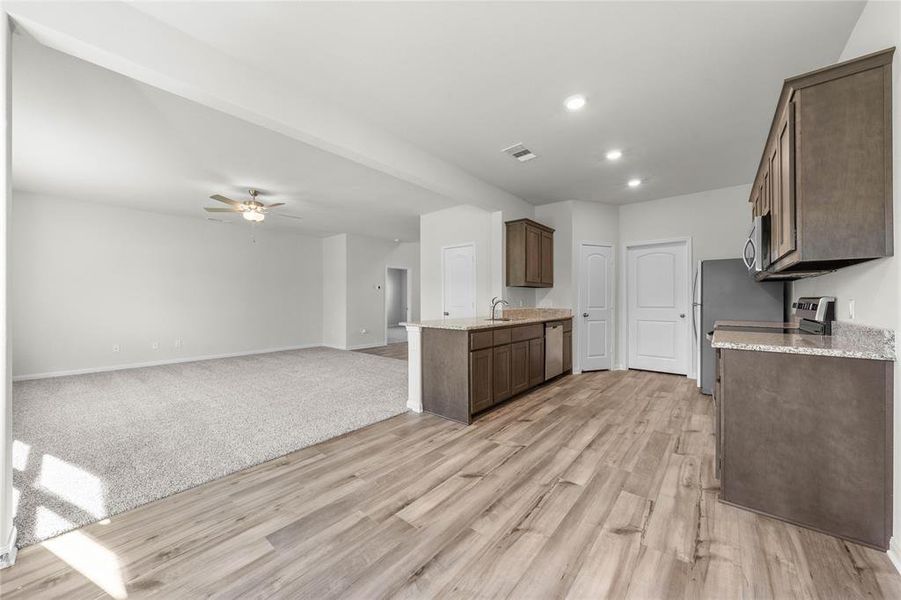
<point x="851" y="309"/>
<point x="115" y="347"/>
<point x="178" y="343"/>
<point x="155" y="345"/>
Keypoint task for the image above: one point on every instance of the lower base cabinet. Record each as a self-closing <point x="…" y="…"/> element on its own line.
<point x="502" y="383"/>
<point x="467" y="372"/>
<point x="481" y="391"/>
<point x="808" y="439"/>
<point x="519" y="369"/>
<point x="536" y="362"/>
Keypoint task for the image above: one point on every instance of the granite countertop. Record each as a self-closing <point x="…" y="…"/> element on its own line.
<point x="517" y="316"/>
<point x="847" y="340"/>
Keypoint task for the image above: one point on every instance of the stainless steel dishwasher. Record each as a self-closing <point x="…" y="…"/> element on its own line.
<point x="553" y="349"/>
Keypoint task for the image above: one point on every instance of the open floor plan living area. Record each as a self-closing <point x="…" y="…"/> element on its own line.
<point x="415" y="300"/>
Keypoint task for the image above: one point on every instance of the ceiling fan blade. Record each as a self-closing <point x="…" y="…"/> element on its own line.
<point x="268" y="206"/>
<point x="217" y="209"/>
<point x="287" y="216"/>
<point x="225" y="200"/>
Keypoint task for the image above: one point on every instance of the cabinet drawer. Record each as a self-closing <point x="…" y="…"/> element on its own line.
<point x="481" y="339"/>
<point x="527" y="332"/>
<point x="501" y="336"/>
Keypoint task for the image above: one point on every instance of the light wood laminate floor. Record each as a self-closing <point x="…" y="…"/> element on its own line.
<point x="397" y="350"/>
<point x="597" y="485"/>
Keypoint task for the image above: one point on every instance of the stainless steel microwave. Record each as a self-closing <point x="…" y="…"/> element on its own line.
<point x="756" y="253"/>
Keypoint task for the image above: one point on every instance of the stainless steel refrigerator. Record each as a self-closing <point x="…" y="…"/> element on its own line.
<point x="724" y="290"/>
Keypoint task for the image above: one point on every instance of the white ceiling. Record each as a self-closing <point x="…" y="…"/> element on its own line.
<point x="685" y="89"/>
<point x="83" y="132"/>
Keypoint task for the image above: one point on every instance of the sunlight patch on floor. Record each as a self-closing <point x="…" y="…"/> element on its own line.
<point x="73" y="484"/>
<point x="84" y="554"/>
<point x="21" y="451"/>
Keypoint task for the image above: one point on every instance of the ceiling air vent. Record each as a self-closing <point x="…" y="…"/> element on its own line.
<point x="520" y="152"/>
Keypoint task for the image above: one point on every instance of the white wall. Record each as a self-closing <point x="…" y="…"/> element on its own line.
<point x="334" y="291"/>
<point x="458" y="225"/>
<point x="354" y="288"/>
<point x="87" y="276"/>
<point x="574" y="223"/>
<point x="717" y="221"/>
<point x="367" y="260"/>
<point x="874" y="286"/>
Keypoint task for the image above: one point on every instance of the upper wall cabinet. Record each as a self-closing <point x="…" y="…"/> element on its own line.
<point x="824" y="184"/>
<point x="530" y="254"/>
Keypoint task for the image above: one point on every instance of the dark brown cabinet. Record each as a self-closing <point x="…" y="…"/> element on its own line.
<point x="567" y="350"/>
<point x="530" y="254"/>
<point x="503" y="384"/>
<point x="536" y="361"/>
<point x="468" y="372"/>
<point x="481" y="389"/>
<point x="519" y="369"/>
<point x="824" y="183"/>
<point x="809" y="442"/>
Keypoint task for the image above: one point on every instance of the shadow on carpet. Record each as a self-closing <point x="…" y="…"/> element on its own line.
<point x="90" y="446"/>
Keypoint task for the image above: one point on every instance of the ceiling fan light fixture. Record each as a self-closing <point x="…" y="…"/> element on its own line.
<point x="252" y="215"/>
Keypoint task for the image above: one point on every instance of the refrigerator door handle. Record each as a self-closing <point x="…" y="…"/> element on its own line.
<point x="695" y="303"/>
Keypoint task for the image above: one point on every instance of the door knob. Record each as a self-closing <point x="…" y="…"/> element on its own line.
<point x="681" y="315"/>
<point x="585" y="315"/>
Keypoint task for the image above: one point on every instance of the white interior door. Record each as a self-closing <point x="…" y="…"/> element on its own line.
<point x="595" y="318"/>
<point x="458" y="273"/>
<point x="657" y="297"/>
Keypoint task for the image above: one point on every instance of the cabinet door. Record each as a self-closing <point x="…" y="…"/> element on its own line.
<point x="533" y="255"/>
<point x="480" y="371"/>
<point x="547" y="258"/>
<point x="519" y="369"/>
<point x="502" y="380"/>
<point x="536" y="361"/>
<point x="718" y="413"/>
<point x="774" y="211"/>
<point x="784" y="184"/>
<point x="567" y="350"/>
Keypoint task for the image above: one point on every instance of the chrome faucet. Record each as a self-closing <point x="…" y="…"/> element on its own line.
<point x="494" y="302"/>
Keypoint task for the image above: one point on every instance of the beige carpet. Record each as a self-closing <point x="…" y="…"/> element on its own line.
<point x="90" y="446"/>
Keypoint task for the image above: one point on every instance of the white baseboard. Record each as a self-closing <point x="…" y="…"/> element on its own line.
<point x="157" y="363"/>
<point x="894" y="553"/>
<point x="365" y="346"/>
<point x="8" y="550"/>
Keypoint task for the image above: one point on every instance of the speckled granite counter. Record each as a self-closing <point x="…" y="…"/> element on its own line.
<point x="516" y="316"/>
<point x="847" y="340"/>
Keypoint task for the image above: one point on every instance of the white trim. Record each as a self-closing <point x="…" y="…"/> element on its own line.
<point x="690" y="371"/>
<point x="408" y="317"/>
<point x="414" y="368"/>
<point x="894" y="553"/>
<point x="157" y="363"/>
<point x="8" y="550"/>
<point x="364" y="346"/>
<point x="613" y="304"/>
<point x="475" y="294"/>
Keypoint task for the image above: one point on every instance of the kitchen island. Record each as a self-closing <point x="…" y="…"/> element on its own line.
<point x="459" y="368"/>
<point x="804" y="425"/>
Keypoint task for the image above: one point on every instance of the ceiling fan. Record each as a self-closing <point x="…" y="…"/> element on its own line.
<point x="252" y="210"/>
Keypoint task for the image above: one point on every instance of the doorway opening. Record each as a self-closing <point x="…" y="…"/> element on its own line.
<point x="397" y="304"/>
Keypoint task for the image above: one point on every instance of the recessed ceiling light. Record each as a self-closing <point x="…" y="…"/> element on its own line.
<point x="614" y="155"/>
<point x="634" y="182"/>
<point x="396" y="240"/>
<point x="574" y="103"/>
